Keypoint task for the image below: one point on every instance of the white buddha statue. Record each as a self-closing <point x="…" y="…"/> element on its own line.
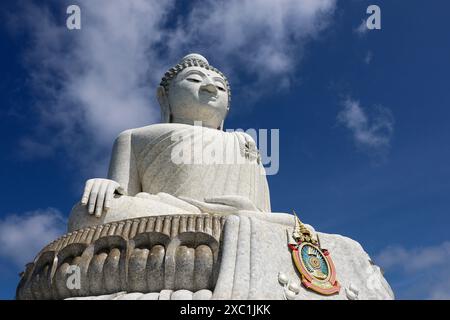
<point x="190" y="166"/>
<point x="183" y="166"/>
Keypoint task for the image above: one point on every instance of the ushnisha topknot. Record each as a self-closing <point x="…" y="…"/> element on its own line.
<point x="192" y="60"/>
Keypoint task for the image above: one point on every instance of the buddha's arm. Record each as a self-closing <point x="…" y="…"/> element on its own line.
<point x="122" y="178"/>
<point x="123" y="165"/>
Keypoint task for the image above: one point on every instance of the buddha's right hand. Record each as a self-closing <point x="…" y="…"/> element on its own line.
<point x="98" y="194"/>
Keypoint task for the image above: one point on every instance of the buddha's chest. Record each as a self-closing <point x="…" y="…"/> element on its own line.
<point x="199" y="163"/>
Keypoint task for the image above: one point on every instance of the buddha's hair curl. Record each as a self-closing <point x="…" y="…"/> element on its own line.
<point x="191" y="62"/>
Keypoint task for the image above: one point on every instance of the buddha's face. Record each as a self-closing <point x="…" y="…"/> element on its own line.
<point x="198" y="94"/>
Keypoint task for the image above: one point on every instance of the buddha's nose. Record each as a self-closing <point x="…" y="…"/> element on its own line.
<point x="209" y="86"/>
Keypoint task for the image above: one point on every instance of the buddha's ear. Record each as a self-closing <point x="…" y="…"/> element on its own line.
<point x="221" y="127"/>
<point x="163" y="103"/>
<point x="161" y="96"/>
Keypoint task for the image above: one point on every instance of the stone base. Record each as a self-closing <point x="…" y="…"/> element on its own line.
<point x="199" y="256"/>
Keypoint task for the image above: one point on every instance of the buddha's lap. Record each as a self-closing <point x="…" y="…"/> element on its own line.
<point x="126" y="207"/>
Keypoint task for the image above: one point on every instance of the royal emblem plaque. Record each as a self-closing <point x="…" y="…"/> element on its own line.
<point x="314" y="263"/>
<point x="316" y="268"/>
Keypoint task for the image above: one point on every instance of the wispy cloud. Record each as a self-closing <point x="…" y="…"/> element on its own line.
<point x="22" y="236"/>
<point x="95" y="82"/>
<point x="361" y="29"/>
<point x="263" y="38"/>
<point x="92" y="83"/>
<point x="421" y="269"/>
<point x="370" y="133"/>
<point x="415" y="259"/>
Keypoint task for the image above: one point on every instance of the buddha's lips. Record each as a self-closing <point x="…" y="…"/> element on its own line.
<point x="209" y="96"/>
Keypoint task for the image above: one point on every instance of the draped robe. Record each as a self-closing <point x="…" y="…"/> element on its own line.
<point x="160" y="165"/>
<point x="190" y="161"/>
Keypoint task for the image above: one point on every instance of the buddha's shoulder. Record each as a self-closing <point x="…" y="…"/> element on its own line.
<point x="156" y="132"/>
<point x="151" y="130"/>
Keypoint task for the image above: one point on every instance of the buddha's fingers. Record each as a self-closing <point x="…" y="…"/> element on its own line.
<point x="93" y="196"/>
<point x="101" y="199"/>
<point x="109" y="195"/>
<point x="87" y="191"/>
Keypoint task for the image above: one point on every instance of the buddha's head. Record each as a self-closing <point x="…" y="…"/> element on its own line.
<point x="193" y="91"/>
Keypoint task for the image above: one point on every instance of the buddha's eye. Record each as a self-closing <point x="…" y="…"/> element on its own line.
<point x="194" y="78"/>
<point x="220" y="86"/>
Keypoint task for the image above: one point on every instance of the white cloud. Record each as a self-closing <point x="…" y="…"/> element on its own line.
<point x="415" y="259"/>
<point x="372" y="134"/>
<point x="423" y="270"/>
<point x="261" y="34"/>
<point x="361" y="29"/>
<point x="23" y="236"/>
<point x="441" y="293"/>
<point x="261" y="41"/>
<point x="93" y="83"/>
<point x="97" y="81"/>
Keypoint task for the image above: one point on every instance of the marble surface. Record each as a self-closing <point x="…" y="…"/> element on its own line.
<point x="256" y="252"/>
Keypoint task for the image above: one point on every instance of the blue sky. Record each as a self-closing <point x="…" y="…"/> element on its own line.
<point x="363" y="114"/>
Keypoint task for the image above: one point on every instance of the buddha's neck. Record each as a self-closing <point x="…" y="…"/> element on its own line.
<point x="193" y="122"/>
